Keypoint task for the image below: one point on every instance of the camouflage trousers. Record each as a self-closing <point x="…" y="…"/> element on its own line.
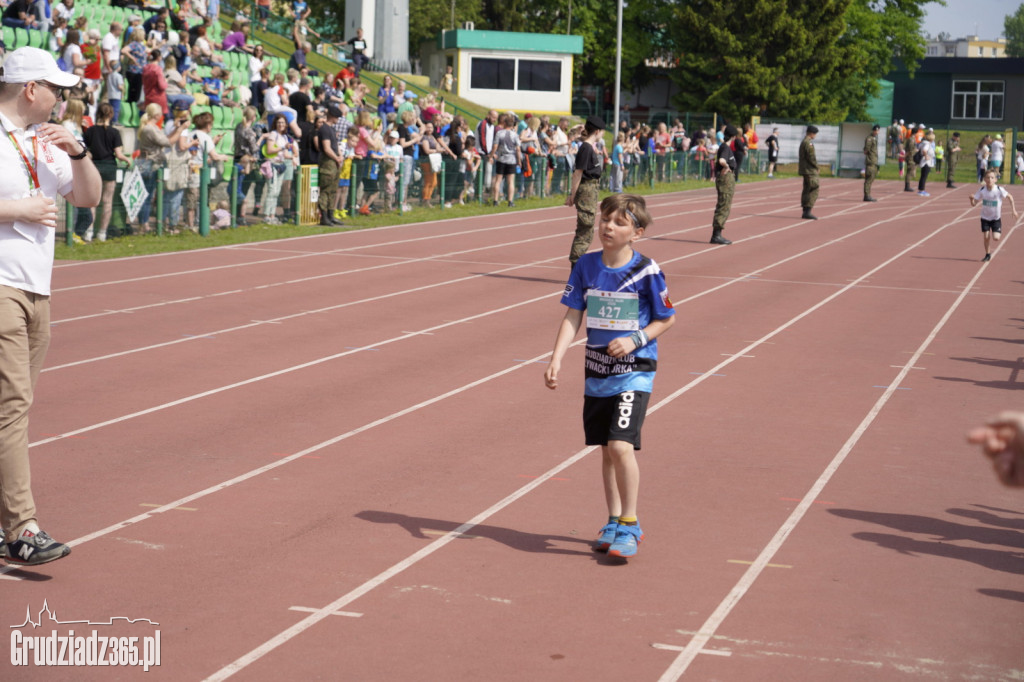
<point x="911" y="172"/>
<point x="870" y="173"/>
<point x="725" y="184"/>
<point x="586" y="213"/>
<point x="809" y="195"/>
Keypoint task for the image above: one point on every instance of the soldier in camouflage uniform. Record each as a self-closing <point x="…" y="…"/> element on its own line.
<point x="807" y="167"/>
<point x="725" y="184"/>
<point x="952" y="156"/>
<point x="870" y="162"/>
<point x="583" y="193"/>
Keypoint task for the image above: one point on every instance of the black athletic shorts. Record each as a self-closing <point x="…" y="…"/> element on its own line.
<point x="992" y="225"/>
<point x="504" y="168"/>
<point x="617" y="417"/>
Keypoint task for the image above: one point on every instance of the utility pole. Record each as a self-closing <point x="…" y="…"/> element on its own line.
<point x="618" y="68"/>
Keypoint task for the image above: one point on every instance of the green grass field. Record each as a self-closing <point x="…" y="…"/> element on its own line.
<point x="136" y="245"/>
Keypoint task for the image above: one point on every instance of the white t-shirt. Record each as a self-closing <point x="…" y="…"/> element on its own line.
<point x="394" y="152"/>
<point x="206" y="143"/>
<point x="26" y="249"/>
<point x="69" y="53"/>
<point x="111" y="47"/>
<point x="991" y="202"/>
<point x="65" y="12"/>
<point x="255" y="66"/>
<point x="997" y="151"/>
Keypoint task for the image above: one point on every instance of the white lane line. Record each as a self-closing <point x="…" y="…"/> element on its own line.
<point x="339" y="306"/>
<point x="350" y="251"/>
<point x="337" y="273"/>
<point x="673" y="647"/>
<point x="309" y="609"/>
<point x="281" y="372"/>
<point x="266" y="261"/>
<point x="373" y="346"/>
<point x="725" y="607"/>
<point x="290" y="458"/>
<point x="303" y="625"/>
<point x="341" y="250"/>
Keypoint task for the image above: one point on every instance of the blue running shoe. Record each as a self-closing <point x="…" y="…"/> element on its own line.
<point x="626" y="540"/>
<point x="607" y="537"/>
<point x="32" y="549"/>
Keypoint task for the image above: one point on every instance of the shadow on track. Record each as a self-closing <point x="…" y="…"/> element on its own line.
<point x="425" y="528"/>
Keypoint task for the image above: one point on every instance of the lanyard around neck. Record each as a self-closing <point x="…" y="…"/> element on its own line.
<point x="31" y="167"/>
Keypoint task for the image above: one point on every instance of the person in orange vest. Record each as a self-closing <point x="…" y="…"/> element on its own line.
<point x="751" y="135"/>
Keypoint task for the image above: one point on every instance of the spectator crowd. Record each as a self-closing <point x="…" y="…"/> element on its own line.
<point x="183" y="95"/>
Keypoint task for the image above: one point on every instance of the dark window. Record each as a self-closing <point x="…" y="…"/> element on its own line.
<point x="545" y="76"/>
<point x="493" y="74"/>
<point x="978" y="99"/>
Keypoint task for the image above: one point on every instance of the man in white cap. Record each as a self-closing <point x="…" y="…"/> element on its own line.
<point x="40" y="160"/>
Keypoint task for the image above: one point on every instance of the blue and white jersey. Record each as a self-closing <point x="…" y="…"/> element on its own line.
<point x="616" y="302"/>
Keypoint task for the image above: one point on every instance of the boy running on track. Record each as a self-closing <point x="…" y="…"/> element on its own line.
<point x="991" y="198"/>
<point x="625" y="298"/>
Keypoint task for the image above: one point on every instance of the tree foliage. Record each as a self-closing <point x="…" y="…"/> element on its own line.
<point x="744" y="57"/>
<point x="428" y="17"/>
<point x="788" y="58"/>
<point x="1013" y="29"/>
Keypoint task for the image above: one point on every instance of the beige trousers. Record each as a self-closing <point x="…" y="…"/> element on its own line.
<point x="24" y="338"/>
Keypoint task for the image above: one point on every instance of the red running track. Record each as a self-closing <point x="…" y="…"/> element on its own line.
<point x="334" y="457"/>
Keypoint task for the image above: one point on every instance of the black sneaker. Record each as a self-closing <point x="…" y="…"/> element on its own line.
<point x="988" y="257"/>
<point x="32" y="549"/>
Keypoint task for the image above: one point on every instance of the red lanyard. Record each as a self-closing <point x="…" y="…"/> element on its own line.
<point x="35" y="158"/>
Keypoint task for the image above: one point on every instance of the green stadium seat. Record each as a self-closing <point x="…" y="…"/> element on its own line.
<point x="129" y="114"/>
<point x="227" y="143"/>
<point x="218" y="117"/>
<point x="36" y="38"/>
<point x="9" y="37"/>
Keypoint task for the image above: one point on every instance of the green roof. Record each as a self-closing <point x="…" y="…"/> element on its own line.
<point x="462" y="39"/>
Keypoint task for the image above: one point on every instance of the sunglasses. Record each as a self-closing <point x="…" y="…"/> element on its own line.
<point x="57" y="91"/>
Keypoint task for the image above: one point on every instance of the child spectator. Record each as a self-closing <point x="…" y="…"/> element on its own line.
<point x="390" y="184"/>
<point x="991" y="199"/>
<point x="348" y="153"/>
<point x="625" y="298"/>
<point x="471" y="158"/>
<point x="195" y="164"/>
<point x="115" y="89"/>
<point x="222" y="215"/>
<point x="617" y="154"/>
<point x="448" y="79"/>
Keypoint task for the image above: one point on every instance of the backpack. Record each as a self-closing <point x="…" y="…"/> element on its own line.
<point x="918" y="157"/>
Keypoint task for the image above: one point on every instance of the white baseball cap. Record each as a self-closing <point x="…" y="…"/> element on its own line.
<point x="32" y="64"/>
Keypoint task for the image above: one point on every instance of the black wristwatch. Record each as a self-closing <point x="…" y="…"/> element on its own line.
<point x="79" y="157"/>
